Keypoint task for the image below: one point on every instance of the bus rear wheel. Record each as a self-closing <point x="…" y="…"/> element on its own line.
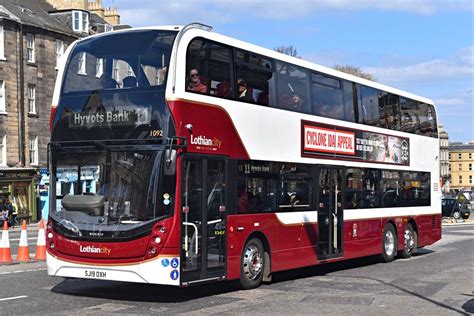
<point x="252" y="264"/>
<point x="410" y="242"/>
<point x="389" y="243"/>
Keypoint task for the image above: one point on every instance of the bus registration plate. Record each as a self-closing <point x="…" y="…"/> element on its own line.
<point x="95" y="274"/>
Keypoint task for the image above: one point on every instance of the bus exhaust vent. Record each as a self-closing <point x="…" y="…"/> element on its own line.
<point x="433" y="221"/>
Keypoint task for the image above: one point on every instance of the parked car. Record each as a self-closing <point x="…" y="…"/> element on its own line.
<point x="452" y="208"/>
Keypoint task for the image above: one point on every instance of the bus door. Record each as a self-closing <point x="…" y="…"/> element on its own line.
<point x="330" y="213"/>
<point x="203" y="219"/>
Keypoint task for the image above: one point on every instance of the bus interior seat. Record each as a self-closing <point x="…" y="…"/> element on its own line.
<point x="129" y="82"/>
<point x="263" y="98"/>
<point x="224" y="89"/>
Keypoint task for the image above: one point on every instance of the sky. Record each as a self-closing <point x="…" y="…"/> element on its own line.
<point x="423" y="47"/>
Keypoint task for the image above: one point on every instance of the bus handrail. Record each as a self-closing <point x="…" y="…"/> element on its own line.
<point x="191" y="25"/>
<point x="196" y="239"/>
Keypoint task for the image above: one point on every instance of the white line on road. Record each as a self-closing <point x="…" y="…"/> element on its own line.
<point x="18" y="239"/>
<point x="21" y="271"/>
<point x="12" y="298"/>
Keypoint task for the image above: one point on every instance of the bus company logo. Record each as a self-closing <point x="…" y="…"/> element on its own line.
<point x="91" y="249"/>
<point x="319" y="139"/>
<point x="201" y="140"/>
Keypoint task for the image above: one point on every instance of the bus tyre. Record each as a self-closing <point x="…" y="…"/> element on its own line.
<point x="252" y="264"/>
<point x="389" y="243"/>
<point x="410" y="242"/>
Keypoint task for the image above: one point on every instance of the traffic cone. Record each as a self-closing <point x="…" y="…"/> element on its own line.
<point x="23" y="250"/>
<point x="5" y="253"/>
<point x="41" y="243"/>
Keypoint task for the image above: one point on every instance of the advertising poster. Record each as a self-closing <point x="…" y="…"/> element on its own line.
<point x="337" y="142"/>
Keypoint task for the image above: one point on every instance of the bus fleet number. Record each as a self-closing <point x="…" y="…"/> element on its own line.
<point x="95" y="274"/>
<point x="156" y="133"/>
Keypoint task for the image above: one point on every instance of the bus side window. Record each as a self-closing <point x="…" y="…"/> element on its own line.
<point x="369" y="106"/>
<point x="328" y="99"/>
<point x="211" y="61"/>
<point x="389" y="111"/>
<point x="409" y="118"/>
<point x="257" y="72"/>
<point x="427" y="120"/>
<point x="292" y="81"/>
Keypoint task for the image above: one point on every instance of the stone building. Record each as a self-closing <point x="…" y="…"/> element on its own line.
<point x="444" y="159"/>
<point x="461" y="165"/>
<point x="33" y="37"/>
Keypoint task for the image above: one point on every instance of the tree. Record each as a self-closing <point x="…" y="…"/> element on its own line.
<point x="356" y="71"/>
<point x="288" y="50"/>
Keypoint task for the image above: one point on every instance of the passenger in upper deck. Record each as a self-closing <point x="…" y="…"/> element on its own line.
<point x="296" y="102"/>
<point x="243" y="91"/>
<point x="194" y="82"/>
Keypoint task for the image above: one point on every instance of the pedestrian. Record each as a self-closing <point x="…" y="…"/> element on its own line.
<point x="8" y="209"/>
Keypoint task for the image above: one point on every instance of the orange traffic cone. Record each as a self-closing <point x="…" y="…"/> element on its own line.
<point x="41" y="243"/>
<point x="23" y="250"/>
<point x="5" y="253"/>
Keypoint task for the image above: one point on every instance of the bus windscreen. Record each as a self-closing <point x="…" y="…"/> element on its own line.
<point x="113" y="88"/>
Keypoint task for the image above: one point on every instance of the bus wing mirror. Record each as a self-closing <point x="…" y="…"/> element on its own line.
<point x="170" y="162"/>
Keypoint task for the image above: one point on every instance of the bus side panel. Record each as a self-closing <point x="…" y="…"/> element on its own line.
<point x="213" y="131"/>
<point x="172" y="244"/>
<point x="429" y="229"/>
<point x="362" y="238"/>
<point x="239" y="228"/>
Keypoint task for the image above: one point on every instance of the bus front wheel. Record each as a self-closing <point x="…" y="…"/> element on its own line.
<point x="389" y="243"/>
<point x="252" y="264"/>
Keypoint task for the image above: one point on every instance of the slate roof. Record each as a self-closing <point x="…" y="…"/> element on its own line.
<point x="34" y="13"/>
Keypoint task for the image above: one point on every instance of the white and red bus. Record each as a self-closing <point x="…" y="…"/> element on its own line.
<point x="179" y="155"/>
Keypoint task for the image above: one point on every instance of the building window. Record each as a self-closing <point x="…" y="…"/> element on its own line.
<point x="34" y="151"/>
<point x="115" y="66"/>
<point x="449" y="156"/>
<point x="81" y="66"/>
<point x="59" y="51"/>
<point x="470" y="167"/>
<point x="449" y="167"/>
<point x="31" y="99"/>
<point x="30" y="47"/>
<point x="80" y="21"/>
<point x="459" y="156"/>
<point x="460" y="179"/>
<point x="459" y="166"/>
<point x="99" y="67"/>
<point x="2" y="43"/>
<point x="3" y="150"/>
<point x="470" y="155"/>
<point x="3" y="108"/>
<point x="470" y="179"/>
<point x="130" y="71"/>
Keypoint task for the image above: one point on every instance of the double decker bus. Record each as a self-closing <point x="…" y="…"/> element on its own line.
<point x="179" y="155"/>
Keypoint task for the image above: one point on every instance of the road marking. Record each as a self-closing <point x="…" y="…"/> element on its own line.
<point x="12" y="298"/>
<point x="21" y="271"/>
<point x="18" y="239"/>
